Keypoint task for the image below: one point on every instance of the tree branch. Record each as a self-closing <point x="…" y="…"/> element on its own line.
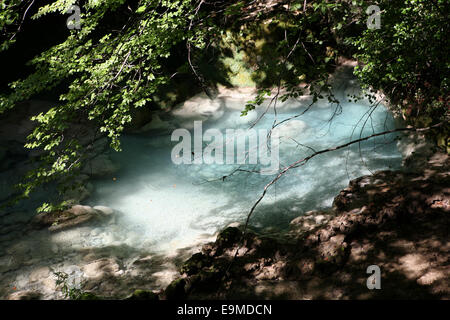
<point x="303" y="161"/>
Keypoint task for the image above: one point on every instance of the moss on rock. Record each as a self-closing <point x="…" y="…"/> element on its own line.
<point x="195" y="263"/>
<point x="176" y="290"/>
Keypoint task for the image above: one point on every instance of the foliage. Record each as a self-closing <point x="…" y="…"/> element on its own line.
<point x="9" y="22"/>
<point x="69" y="291"/>
<point x="108" y="72"/>
<point x="297" y="53"/>
<point x="120" y="59"/>
<point x="407" y="58"/>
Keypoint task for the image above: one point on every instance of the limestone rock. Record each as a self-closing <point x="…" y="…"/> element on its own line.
<point x="310" y="221"/>
<point x="176" y="290"/>
<point x="61" y="220"/>
<point x="227" y="239"/>
<point x="25" y="295"/>
<point x="101" y="268"/>
<point x="104" y="210"/>
<point x="39" y="274"/>
<point x="334" y="250"/>
<point x="196" y="263"/>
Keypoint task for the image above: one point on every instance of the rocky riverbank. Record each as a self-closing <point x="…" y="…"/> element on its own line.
<point x="109" y="259"/>
<point x="395" y="220"/>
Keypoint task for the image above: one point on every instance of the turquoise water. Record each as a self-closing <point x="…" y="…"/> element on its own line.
<point x="167" y="206"/>
<point x="163" y="211"/>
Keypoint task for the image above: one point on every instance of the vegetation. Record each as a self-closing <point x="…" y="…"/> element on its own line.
<point x="126" y="52"/>
<point x="69" y="291"/>
<point x="407" y="59"/>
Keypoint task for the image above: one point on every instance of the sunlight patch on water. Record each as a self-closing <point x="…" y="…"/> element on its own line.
<point x="167" y="206"/>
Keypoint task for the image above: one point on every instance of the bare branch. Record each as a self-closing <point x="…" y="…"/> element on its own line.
<point x="303" y="161"/>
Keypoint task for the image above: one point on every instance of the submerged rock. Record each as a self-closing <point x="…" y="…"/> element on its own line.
<point x="73" y="217"/>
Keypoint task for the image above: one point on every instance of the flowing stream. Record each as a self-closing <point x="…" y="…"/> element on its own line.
<point x="168" y="206"/>
<point x="163" y="207"/>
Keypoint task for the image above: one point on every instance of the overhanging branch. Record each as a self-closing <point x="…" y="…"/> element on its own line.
<point x="303" y="161"/>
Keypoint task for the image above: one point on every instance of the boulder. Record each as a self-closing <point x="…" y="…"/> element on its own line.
<point x="195" y="263"/>
<point x="227" y="239"/>
<point x="334" y="250"/>
<point x="176" y="290"/>
<point x="10" y="263"/>
<point x="62" y="220"/>
<point x="107" y="211"/>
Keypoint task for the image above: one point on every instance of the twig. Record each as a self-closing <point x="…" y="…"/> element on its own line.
<point x="303" y="161"/>
<point x="21" y="22"/>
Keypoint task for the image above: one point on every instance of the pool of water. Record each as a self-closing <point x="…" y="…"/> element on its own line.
<point x="167" y="206"/>
<point x="164" y="211"/>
